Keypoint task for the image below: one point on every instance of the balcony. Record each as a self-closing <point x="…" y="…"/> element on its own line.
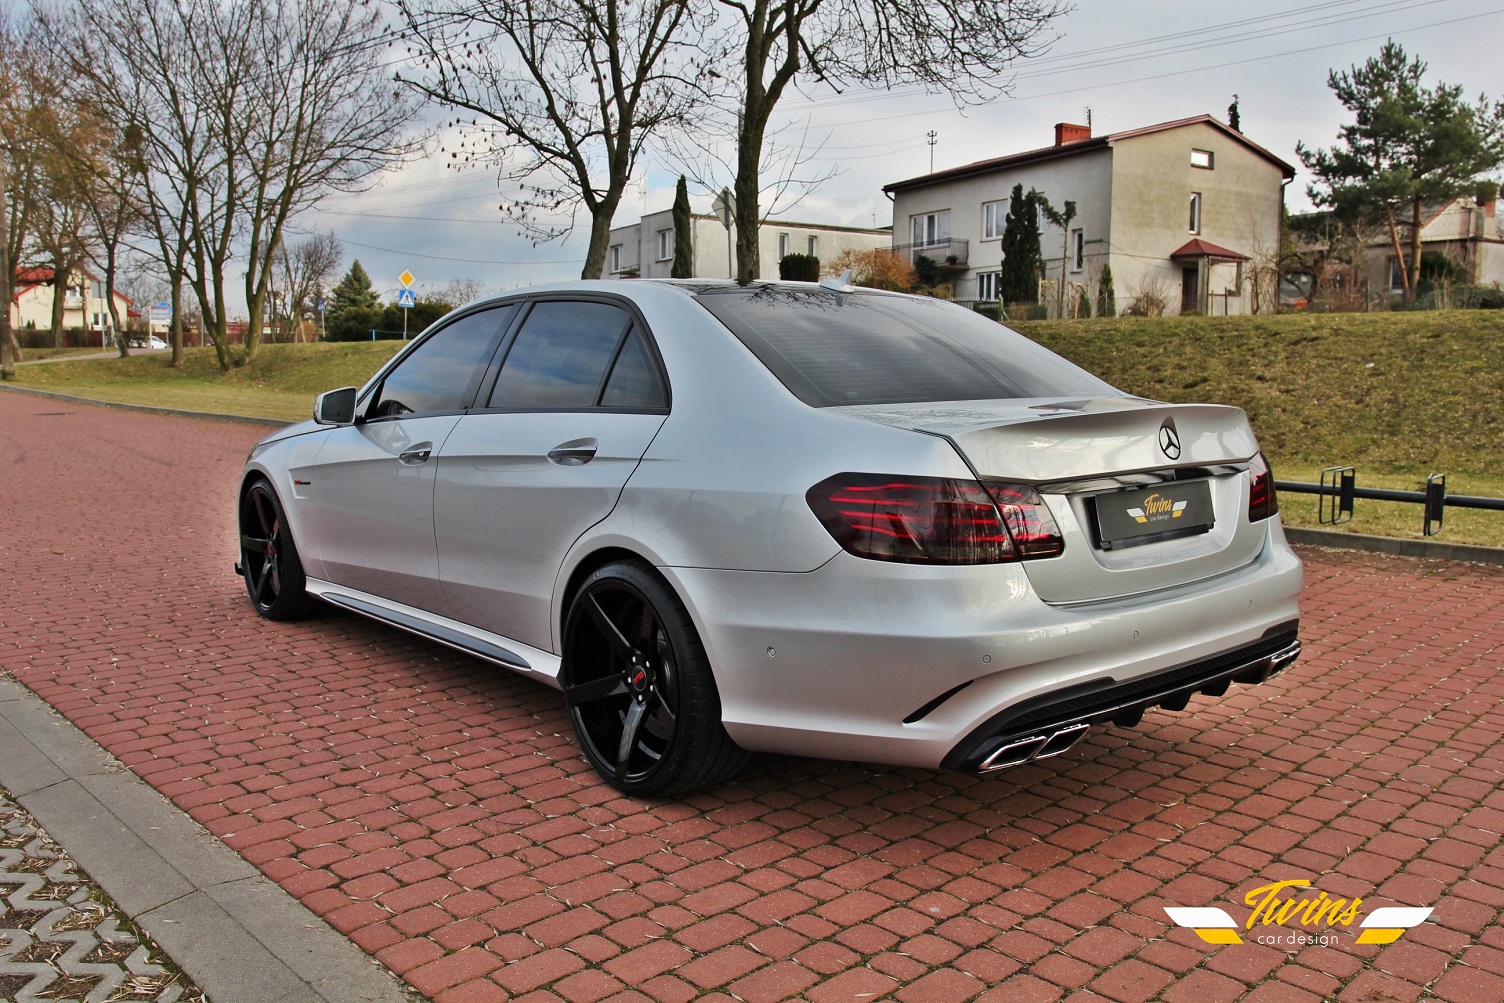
<point x="949" y="255"/>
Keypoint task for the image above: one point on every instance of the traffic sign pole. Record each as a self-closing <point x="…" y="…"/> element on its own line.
<point x="406" y="299"/>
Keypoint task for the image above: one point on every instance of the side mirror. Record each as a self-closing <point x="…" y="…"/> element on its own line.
<point x="335" y="407"/>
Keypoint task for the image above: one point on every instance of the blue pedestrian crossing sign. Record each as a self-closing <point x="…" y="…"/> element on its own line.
<point x="406" y="299"/>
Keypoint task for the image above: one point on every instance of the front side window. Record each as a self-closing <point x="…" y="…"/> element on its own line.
<point x="1195" y="212"/>
<point x="560" y="357"/>
<point x="435" y="376"/>
<point x="994" y="219"/>
<point x="931" y="228"/>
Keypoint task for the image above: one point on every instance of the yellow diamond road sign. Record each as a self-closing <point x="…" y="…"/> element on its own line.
<point x="406" y="278"/>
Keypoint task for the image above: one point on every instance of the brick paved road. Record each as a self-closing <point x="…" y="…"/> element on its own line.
<point x="435" y="810"/>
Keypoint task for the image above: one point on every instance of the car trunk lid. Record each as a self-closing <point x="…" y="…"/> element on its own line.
<point x="1092" y="458"/>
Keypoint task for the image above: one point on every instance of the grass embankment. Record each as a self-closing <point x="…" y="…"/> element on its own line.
<point x="280" y="382"/>
<point x="1397" y="395"/>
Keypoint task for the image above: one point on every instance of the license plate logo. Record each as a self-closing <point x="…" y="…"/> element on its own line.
<point x="1153" y="513"/>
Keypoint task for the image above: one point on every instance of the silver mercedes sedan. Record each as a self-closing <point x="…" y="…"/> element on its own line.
<point x="807" y="519"/>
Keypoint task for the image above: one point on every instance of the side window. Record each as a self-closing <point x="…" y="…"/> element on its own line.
<point x="559" y="358"/>
<point x="634" y="380"/>
<point x="435" y="376"/>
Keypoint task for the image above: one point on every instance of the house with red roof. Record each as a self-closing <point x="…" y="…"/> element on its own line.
<point x="84" y="304"/>
<point x="1187" y="214"/>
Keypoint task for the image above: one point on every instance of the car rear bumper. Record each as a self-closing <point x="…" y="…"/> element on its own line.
<point x="933" y="667"/>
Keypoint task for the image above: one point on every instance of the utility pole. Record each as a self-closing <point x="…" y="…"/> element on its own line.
<point x="934" y="137"/>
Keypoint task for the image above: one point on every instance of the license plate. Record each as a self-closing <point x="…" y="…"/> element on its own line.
<point x="1147" y="514"/>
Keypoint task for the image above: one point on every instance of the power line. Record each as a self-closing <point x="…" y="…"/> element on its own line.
<point x="470" y="261"/>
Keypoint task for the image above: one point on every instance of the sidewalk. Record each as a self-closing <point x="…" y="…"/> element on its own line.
<point x="232" y="931"/>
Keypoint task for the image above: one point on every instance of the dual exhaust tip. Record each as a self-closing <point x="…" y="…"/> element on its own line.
<point x="1060" y="739"/>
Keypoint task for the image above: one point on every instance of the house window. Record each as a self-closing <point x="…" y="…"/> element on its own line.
<point x="1195" y="212"/>
<point x="1203" y="159"/>
<point x="665" y="245"/>
<point x="613" y="258"/>
<point x="1078" y="250"/>
<point x="931" y="228"/>
<point x="1396" y="276"/>
<point x="783" y="246"/>
<point x="994" y="219"/>
<point x="990" y="286"/>
<point x="814" y="247"/>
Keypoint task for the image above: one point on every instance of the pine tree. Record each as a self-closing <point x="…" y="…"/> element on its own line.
<point x="1107" y="300"/>
<point x="684" y="262"/>
<point x="1022" y="259"/>
<point x="353" y="291"/>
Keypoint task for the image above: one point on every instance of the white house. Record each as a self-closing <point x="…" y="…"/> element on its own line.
<point x="1187" y="213"/>
<point x="645" y="249"/>
<point x="84" y="304"/>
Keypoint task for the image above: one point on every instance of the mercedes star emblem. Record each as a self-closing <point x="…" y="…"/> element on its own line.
<point x="1169" y="440"/>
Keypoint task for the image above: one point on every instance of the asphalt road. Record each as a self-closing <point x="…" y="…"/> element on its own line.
<point x="435" y="810"/>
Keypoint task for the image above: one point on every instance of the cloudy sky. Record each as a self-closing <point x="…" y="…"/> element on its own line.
<point x="1130" y="62"/>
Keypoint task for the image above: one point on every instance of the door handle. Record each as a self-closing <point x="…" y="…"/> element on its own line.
<point x="417" y="454"/>
<point x="574" y="453"/>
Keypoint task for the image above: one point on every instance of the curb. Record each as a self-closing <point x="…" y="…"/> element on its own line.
<point x="1429" y="549"/>
<point x="149" y="409"/>
<point x="233" y="930"/>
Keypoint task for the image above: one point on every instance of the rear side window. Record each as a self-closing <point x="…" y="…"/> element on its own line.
<point x="866" y="348"/>
<point x="634" y="380"/>
<point x="436" y="375"/>
<point x="559" y="358"/>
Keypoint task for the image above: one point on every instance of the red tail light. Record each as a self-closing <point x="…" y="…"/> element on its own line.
<point x="933" y="520"/>
<point x="1262" y="502"/>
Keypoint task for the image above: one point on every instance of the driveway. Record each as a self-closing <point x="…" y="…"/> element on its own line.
<point x="435" y="810"/>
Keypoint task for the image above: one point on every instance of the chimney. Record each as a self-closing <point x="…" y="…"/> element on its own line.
<point x="1067" y="133"/>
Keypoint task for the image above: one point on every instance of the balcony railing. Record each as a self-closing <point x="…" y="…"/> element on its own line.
<point x="945" y="253"/>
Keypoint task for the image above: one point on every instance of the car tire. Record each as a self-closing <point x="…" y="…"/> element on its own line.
<point x="269" y="561"/>
<point x="639" y="688"/>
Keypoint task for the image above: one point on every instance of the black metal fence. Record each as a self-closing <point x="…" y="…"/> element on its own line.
<point x="1339" y="489"/>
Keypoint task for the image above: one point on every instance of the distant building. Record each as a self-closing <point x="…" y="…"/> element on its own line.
<point x="84" y="304"/>
<point x="645" y="249"/>
<point x="1464" y="229"/>
<point x="1187" y="212"/>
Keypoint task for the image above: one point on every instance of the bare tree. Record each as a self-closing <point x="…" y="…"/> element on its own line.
<point x="956" y="46"/>
<point x="302" y="273"/>
<point x="239" y="115"/>
<point x="559" y="96"/>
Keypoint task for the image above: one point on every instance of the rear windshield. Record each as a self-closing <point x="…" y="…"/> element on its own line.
<point x="868" y="348"/>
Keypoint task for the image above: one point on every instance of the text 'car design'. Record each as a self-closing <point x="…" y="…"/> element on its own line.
<point x="786" y="517"/>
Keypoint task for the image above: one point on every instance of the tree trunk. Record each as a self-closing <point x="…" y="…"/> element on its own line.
<point x="1399" y="254"/>
<point x="7" y="337"/>
<point x="109" y="298"/>
<point x="59" y="300"/>
<point x="1413" y="286"/>
<point x="600" y="239"/>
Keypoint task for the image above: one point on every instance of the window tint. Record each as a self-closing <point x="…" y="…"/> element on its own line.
<point x="435" y="376"/>
<point x="876" y="349"/>
<point x="634" y="379"/>
<point x="560" y="356"/>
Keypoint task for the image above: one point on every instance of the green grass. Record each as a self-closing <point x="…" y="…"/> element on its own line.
<point x="280" y="383"/>
<point x="1397" y="395"/>
<point x="42" y="354"/>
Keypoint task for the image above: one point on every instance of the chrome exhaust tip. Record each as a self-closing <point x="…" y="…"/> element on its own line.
<point x="1024" y="750"/>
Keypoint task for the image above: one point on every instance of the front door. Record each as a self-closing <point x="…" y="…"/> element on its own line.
<point x="1190" y="289"/>
<point x="370" y="493"/>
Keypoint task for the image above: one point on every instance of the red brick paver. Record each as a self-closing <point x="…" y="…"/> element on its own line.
<point x="436" y="810"/>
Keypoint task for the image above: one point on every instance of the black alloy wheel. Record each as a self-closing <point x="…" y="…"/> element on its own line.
<point x="639" y="688"/>
<point x="268" y="558"/>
